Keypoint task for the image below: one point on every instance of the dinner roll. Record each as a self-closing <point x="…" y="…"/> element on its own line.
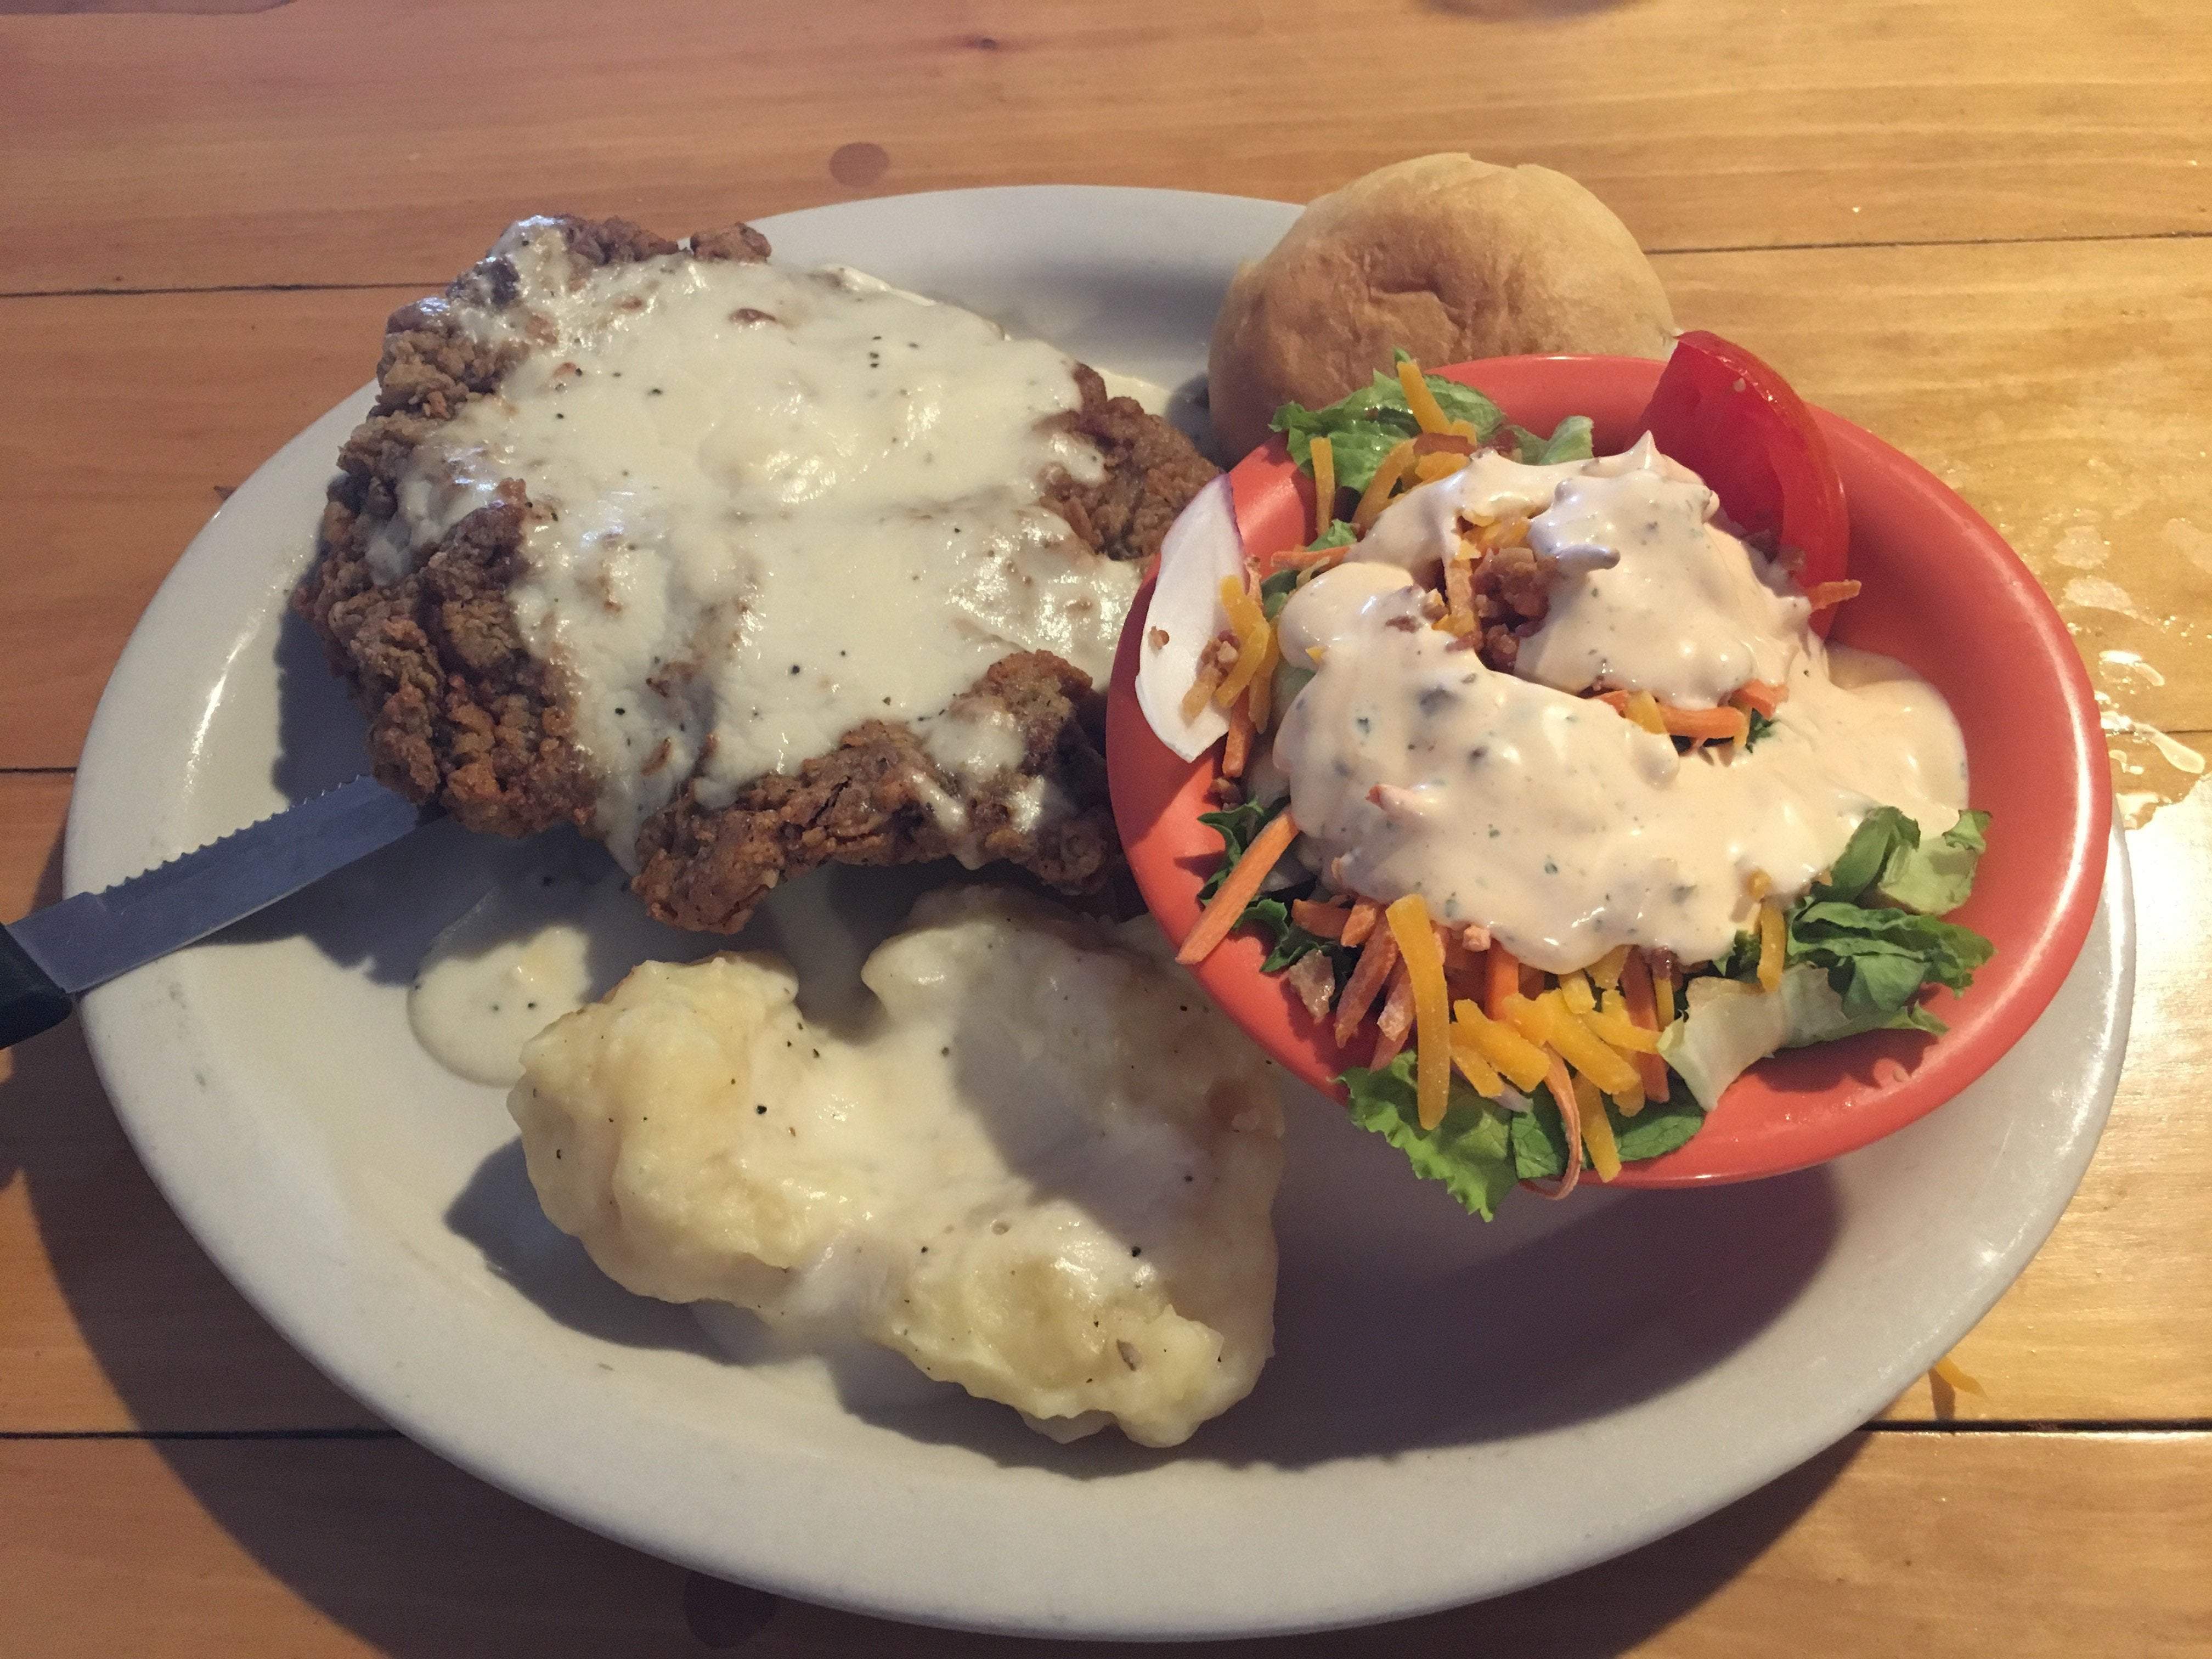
<point x="1449" y="257"/>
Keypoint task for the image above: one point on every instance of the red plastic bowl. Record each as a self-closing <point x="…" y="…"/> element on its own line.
<point x="1943" y="593"/>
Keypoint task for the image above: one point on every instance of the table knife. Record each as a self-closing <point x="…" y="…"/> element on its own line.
<point x="55" y="955"/>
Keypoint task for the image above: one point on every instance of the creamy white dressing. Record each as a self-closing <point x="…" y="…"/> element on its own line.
<point x="1041" y="1166"/>
<point x="540" y="945"/>
<point x="1563" y="827"/>
<point x="770" y="505"/>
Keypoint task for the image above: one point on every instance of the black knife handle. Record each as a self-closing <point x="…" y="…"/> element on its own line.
<point x="29" y="1002"/>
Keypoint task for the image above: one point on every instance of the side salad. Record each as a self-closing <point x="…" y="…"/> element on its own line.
<point x="1484" y="620"/>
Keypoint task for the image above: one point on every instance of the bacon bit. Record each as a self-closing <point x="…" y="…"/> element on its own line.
<point x="1475" y="937"/>
<point x="1759" y="695"/>
<point x="1444" y="443"/>
<point x="1156" y="638"/>
<point x="1321" y="920"/>
<point x="1636" y="994"/>
<point x="1226" y="792"/>
<point x="1376" y="496"/>
<point x="1458" y="959"/>
<point x="1504" y="981"/>
<point x="1459" y="596"/>
<point x="1824" y="594"/>
<point x="1226" y="908"/>
<point x="1571" y="1120"/>
<point x="1324" y="474"/>
<point x="1365" y="913"/>
<point x="1210" y="671"/>
<point x="1315" y="981"/>
<point x="1376" y="961"/>
<point x="1394" y="1024"/>
<point x="1238" y="748"/>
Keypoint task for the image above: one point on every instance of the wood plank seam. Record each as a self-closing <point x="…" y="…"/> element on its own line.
<point x="434" y="284"/>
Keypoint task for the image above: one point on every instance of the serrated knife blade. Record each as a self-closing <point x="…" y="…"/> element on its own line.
<point x="55" y="954"/>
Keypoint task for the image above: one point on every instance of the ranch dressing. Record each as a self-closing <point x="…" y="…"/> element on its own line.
<point x="769" y="505"/>
<point x="1563" y="827"/>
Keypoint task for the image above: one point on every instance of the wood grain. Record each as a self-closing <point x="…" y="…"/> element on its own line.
<point x="135" y="412"/>
<point x="189" y="152"/>
<point x="1933" y="1545"/>
<point x="111" y="1318"/>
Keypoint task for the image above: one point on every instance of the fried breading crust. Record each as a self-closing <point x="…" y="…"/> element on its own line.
<point x="460" y="712"/>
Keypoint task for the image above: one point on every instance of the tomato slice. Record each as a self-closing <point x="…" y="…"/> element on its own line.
<point x="1737" y="424"/>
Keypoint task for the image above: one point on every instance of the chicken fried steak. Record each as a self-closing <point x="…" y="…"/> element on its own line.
<point x="741" y="569"/>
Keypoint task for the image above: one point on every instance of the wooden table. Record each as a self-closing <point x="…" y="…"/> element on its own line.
<point x="1977" y="227"/>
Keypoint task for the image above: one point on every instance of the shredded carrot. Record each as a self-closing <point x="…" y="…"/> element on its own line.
<point x="1365" y="913"/>
<point x="1824" y="594"/>
<point x="1532" y="980"/>
<point x="1227" y="905"/>
<point x="1504" y="981"/>
<point x="1760" y="696"/>
<point x="1424" y="963"/>
<point x="1428" y="414"/>
<point x="1376" y="958"/>
<point x="1636" y="995"/>
<point x="1500" y="1044"/>
<point x="1321" y="920"/>
<point x="1771" y="935"/>
<point x="1376" y="496"/>
<point x="1571" y="1120"/>
<point x="1324" y="471"/>
<point x="1597" y="1131"/>
<point x="1239" y="747"/>
<point x="1708" y="725"/>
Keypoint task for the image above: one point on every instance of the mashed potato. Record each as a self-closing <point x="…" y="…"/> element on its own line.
<point x="1043" y="1169"/>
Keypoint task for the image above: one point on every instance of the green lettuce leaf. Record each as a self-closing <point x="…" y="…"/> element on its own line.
<point x="1728" y="1027"/>
<point x="1539" y="1139"/>
<point x="1760" y="725"/>
<point x="1366" y="425"/>
<point x="1269" y="912"/>
<point x="1570" y="441"/>
<point x="1275" y="593"/>
<point x="1938" y="879"/>
<point x="1471" y="1152"/>
<point x="1339" y="534"/>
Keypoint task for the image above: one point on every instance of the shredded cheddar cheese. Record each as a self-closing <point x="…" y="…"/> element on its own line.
<point x="1512" y="1054"/>
<point x="1771" y="936"/>
<point x="1597" y="1131"/>
<point x="1324" y="473"/>
<point x="1376" y="496"/>
<point x="1428" y="414"/>
<point x="1253" y="636"/>
<point x="1424" y="958"/>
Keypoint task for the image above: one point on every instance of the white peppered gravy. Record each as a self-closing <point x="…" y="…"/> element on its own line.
<point x="1507" y="799"/>
<point x="771" y="505"/>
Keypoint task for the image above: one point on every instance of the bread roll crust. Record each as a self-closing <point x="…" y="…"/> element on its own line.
<point x="1450" y="257"/>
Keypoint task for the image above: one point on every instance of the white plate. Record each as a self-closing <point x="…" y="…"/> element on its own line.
<point x="1456" y="1410"/>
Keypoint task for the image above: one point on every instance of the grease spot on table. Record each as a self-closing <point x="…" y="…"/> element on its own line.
<point x="858" y="165"/>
